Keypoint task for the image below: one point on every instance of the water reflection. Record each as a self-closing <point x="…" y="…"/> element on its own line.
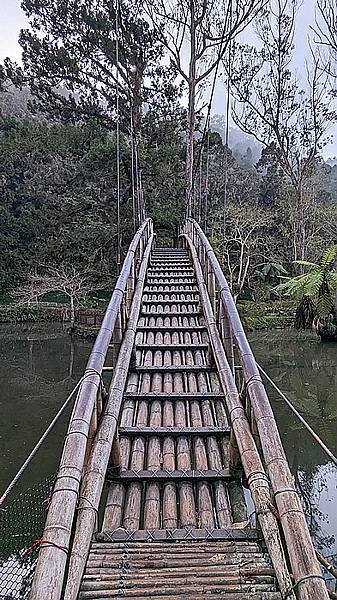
<point x="38" y="369"/>
<point x="306" y="371"/>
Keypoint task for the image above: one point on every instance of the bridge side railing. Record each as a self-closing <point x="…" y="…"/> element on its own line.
<point x="88" y="407"/>
<point x="305" y="568"/>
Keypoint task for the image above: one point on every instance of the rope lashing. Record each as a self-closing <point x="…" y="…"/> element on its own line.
<point x="37" y="544"/>
<point x="305" y="578"/>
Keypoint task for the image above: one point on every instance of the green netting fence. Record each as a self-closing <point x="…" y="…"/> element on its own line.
<point x="21" y="527"/>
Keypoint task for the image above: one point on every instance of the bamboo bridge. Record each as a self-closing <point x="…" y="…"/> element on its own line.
<point x="173" y="480"/>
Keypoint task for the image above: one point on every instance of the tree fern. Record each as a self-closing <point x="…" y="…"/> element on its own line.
<point x="329" y="256"/>
<point x="319" y="286"/>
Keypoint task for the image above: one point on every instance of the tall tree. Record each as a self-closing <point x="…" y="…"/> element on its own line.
<point x="74" y="65"/>
<point x="197" y="33"/>
<point x="326" y="32"/>
<point x="272" y="107"/>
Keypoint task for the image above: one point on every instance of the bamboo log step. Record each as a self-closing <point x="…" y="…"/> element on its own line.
<point x="170" y="301"/>
<point x="172" y="290"/>
<point x="190" y="475"/>
<point x="170" y="347"/>
<point x="177" y="328"/>
<point x="190" y="313"/>
<point x="183" y="535"/>
<point x="200" y="563"/>
<point x="176" y="263"/>
<point x="176" y="278"/>
<point x="183" y="396"/>
<point x="222" y="581"/>
<point x="174" y="431"/>
<point x="166" y="251"/>
<point x="168" y="298"/>
<point x="173" y="369"/>
<point x="170" y="271"/>
<point x="218" y="549"/>
<point x="90" y="595"/>
<point x="260" y="573"/>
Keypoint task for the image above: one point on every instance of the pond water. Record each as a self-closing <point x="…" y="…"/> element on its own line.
<point x="306" y="371"/>
<point x="40" y="365"/>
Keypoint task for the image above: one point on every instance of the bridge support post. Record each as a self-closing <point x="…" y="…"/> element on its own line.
<point x="117" y="338"/>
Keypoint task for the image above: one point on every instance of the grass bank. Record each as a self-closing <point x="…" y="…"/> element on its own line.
<point x="259" y="316"/>
<point x="256" y="316"/>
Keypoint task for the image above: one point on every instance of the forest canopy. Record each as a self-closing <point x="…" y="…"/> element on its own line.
<point x="102" y="79"/>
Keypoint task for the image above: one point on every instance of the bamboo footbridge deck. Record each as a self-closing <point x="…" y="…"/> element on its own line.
<point x="173" y="481"/>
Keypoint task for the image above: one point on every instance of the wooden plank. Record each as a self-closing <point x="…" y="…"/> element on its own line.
<point x="180" y="290"/>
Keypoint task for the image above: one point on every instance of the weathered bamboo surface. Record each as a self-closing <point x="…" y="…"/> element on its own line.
<point x="237" y="570"/>
<point x="176" y="519"/>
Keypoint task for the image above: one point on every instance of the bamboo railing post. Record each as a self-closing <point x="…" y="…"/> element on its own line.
<point x="115" y="457"/>
<point x="92" y="432"/>
<point x="211" y="284"/>
<point x="308" y="578"/>
<point x="117" y="337"/>
<point x="130" y="287"/>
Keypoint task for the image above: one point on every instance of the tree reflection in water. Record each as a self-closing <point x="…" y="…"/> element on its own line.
<point x="306" y="371"/>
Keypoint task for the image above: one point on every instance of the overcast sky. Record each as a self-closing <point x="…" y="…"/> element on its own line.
<point x="12" y="19"/>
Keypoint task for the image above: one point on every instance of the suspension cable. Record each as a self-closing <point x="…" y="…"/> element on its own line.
<point x="118" y="140"/>
<point x="133" y="185"/>
<point x="316" y="437"/>
<point x="89" y="372"/>
<point x="226" y="143"/>
<point x="210" y="103"/>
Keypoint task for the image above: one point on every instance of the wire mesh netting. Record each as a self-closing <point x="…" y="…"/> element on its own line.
<point x="21" y="524"/>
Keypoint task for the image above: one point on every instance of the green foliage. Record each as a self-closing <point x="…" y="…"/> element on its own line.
<point x="316" y="290"/>
<point x="57" y="198"/>
<point x="69" y="58"/>
<point x="270" y="272"/>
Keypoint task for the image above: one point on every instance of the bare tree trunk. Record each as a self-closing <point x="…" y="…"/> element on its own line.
<point x="301" y="227"/>
<point x="191" y="114"/>
<point x="72" y="312"/>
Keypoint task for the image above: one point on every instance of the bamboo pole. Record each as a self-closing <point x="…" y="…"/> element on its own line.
<point x="305" y="567"/>
<point x="251" y="461"/>
<point x="94" y="477"/>
<point x="49" y="573"/>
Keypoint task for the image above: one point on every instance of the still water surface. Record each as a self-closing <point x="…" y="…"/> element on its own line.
<point x="39" y="366"/>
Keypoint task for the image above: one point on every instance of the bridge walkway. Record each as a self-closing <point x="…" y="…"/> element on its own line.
<point x="176" y="518"/>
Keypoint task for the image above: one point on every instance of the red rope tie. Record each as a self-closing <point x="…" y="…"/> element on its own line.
<point x="38" y="543"/>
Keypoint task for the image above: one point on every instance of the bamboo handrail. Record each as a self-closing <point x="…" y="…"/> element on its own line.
<point x="309" y="582"/>
<point x="254" y="469"/>
<point x="51" y="564"/>
<point x="94" y="477"/>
